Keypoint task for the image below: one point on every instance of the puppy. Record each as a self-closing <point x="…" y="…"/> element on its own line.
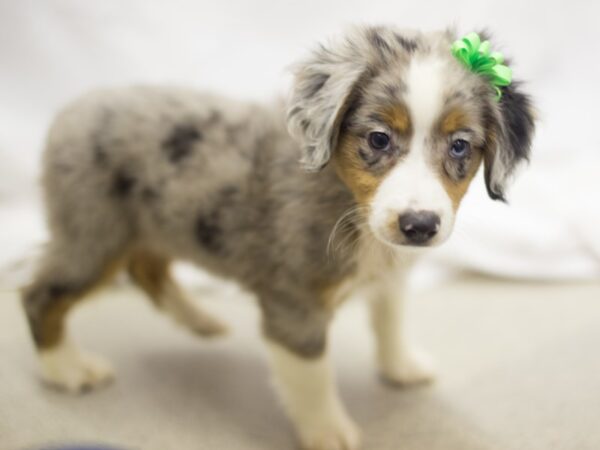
<point x="389" y="129"/>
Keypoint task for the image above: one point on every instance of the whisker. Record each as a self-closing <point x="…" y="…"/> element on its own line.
<point x="352" y="218"/>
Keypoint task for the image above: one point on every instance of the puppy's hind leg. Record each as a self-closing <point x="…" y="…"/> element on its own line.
<point x="151" y="273"/>
<point x="67" y="274"/>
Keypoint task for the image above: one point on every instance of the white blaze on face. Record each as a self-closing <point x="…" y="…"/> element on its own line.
<point x="413" y="184"/>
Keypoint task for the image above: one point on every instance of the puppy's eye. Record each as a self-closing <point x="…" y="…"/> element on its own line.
<point x="459" y="149"/>
<point x="378" y="140"/>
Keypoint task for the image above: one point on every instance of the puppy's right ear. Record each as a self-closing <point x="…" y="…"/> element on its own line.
<point x="324" y="87"/>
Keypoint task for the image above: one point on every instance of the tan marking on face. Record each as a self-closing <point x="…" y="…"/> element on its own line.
<point x="350" y="168"/>
<point x="456" y="119"/>
<point x="456" y="190"/>
<point x="397" y="118"/>
<point x="453" y="120"/>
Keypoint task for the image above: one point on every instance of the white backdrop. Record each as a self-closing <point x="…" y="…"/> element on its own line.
<point x="50" y="51"/>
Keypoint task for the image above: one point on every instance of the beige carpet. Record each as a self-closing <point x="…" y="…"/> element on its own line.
<point x="519" y="368"/>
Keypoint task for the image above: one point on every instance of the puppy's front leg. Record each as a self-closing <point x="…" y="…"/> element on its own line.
<point x="308" y="392"/>
<point x="296" y="334"/>
<point x="398" y="362"/>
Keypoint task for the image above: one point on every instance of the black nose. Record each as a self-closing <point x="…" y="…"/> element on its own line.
<point x="419" y="226"/>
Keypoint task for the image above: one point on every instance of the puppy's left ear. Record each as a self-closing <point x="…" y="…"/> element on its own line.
<point x="324" y="87"/>
<point x="509" y="139"/>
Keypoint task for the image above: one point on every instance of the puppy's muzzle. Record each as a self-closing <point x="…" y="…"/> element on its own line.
<point x="419" y="227"/>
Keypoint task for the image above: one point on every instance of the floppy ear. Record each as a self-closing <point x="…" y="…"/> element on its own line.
<point x="324" y="87"/>
<point x="509" y="139"/>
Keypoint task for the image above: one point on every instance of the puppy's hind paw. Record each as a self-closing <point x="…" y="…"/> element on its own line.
<point x="74" y="371"/>
<point x="196" y="319"/>
<point x="206" y="326"/>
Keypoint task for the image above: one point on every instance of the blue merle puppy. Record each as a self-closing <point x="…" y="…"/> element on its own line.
<point x="386" y="131"/>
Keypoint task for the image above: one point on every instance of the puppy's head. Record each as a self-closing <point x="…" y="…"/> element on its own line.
<point x="406" y="127"/>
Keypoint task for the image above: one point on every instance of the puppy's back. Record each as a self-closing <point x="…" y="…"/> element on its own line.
<point x="120" y="148"/>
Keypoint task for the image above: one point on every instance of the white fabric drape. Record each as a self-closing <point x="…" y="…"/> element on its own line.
<point x="53" y="50"/>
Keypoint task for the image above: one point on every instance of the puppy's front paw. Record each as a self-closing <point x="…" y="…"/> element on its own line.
<point x="338" y="432"/>
<point x="73" y="370"/>
<point x="414" y="367"/>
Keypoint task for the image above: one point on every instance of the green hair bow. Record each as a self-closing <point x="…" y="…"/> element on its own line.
<point x="476" y="56"/>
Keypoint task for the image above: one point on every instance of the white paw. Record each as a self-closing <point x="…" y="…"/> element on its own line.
<point x="414" y="367"/>
<point x="197" y="320"/>
<point x="69" y="368"/>
<point x="335" y="433"/>
<point x="207" y="326"/>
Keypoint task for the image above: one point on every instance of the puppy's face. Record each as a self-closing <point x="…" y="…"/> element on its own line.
<point x="406" y="128"/>
<point x="409" y="149"/>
